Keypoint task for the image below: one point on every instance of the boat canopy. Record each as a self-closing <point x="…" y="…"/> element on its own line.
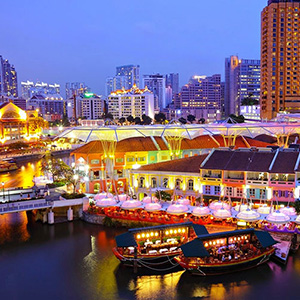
<point x="126" y="240"/>
<point x="195" y="248"/>
<point x="199" y="229"/>
<point x="265" y="238"/>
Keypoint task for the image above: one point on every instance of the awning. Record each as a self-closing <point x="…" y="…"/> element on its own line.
<point x="126" y="240"/>
<point x="265" y="238"/>
<point x="194" y="248"/>
<point x="161" y="227"/>
<point x="200" y="229"/>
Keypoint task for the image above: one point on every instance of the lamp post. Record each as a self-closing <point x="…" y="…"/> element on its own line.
<point x="3" y="191"/>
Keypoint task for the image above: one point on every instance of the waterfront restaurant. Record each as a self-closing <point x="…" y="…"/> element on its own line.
<point x="256" y="174"/>
<point x="16" y="123"/>
<point x="133" y="153"/>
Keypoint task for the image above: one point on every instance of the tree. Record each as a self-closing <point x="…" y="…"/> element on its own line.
<point x="160" y="118"/>
<point x="122" y="120"/>
<point x="249" y="100"/>
<point x="201" y="121"/>
<point x="109" y="116"/>
<point x="163" y="195"/>
<point x="37" y="124"/>
<point x="65" y="121"/>
<point x="146" y="120"/>
<point x="130" y="119"/>
<point x="182" y="120"/>
<point x="191" y="118"/>
<point x="137" y="120"/>
<point x="237" y="119"/>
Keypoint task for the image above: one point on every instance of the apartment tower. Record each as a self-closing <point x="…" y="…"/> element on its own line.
<point x="280" y="39"/>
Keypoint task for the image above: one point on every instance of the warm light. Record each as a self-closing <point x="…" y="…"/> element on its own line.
<point x="214" y="243"/>
<point x="210" y="243"/>
<point x="75" y="177"/>
<point x="171" y="231"/>
<point x="156" y="233"/>
<point x="138" y="236"/>
<point x="175" y="231"/>
<point x="179" y="230"/>
<point x="147" y="235"/>
<point x="206" y="245"/>
<point x="143" y="235"/>
<point x="167" y="232"/>
<point x="218" y="241"/>
<point x="235" y="238"/>
<point x="183" y="230"/>
<point x="152" y="234"/>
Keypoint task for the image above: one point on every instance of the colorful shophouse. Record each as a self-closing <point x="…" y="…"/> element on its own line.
<point x="256" y="174"/>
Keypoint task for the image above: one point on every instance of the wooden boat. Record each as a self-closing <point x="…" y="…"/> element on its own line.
<point x="225" y="252"/>
<point x="155" y="247"/>
<point x="6" y="166"/>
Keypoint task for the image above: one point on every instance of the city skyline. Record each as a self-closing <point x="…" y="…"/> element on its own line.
<point x="164" y="36"/>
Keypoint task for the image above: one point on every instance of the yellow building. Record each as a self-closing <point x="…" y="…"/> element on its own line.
<point x="16" y="123"/>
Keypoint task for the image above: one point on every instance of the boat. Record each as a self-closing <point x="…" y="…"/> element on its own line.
<point x="155" y="247"/>
<point x="226" y="252"/>
<point x="7" y="166"/>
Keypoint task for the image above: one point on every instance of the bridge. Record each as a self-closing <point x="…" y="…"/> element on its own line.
<point x="29" y="205"/>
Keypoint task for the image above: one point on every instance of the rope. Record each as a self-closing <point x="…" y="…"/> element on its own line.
<point x="160" y="270"/>
<point x="201" y="272"/>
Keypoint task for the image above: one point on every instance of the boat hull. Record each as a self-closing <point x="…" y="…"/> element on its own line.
<point x="155" y="262"/>
<point x="228" y="267"/>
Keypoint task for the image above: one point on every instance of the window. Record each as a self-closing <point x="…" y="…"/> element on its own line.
<point x="207" y="189"/>
<point x="130" y="159"/>
<point x="252" y="193"/>
<point x="142" y="182"/>
<point x="239" y="192"/>
<point x="96" y="187"/>
<point x="217" y="190"/>
<point x="262" y="194"/>
<point x="229" y="191"/>
<point x="119" y="160"/>
<point x="154" y="182"/>
<point x="178" y="184"/>
<point x="191" y="185"/>
<point x="165" y="182"/>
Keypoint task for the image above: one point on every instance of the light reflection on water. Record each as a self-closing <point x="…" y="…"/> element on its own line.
<point x="75" y="261"/>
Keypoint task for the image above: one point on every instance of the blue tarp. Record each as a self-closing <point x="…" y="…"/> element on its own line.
<point x="126" y="240"/>
<point x="265" y="238"/>
<point x="194" y="248"/>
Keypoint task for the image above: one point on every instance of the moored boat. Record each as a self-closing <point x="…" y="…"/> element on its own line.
<point x="155" y="247"/>
<point x="226" y="252"/>
<point x="7" y="166"/>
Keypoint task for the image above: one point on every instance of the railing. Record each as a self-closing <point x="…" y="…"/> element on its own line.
<point x="234" y="180"/>
<point x="24" y="205"/>
<point x="257" y="181"/>
<point x="282" y="183"/>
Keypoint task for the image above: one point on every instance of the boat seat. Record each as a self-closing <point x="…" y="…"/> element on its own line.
<point x="152" y="252"/>
<point x="164" y="250"/>
<point x="173" y="248"/>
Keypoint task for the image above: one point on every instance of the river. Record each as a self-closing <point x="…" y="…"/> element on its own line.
<point x="75" y="261"/>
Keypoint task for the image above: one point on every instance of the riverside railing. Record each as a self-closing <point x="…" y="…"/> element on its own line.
<point x="24" y="205"/>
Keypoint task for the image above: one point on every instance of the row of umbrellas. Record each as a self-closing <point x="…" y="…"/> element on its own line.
<point x="218" y="209"/>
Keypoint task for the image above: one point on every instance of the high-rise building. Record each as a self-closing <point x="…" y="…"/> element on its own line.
<point x="172" y="80"/>
<point x="201" y="97"/>
<point x="115" y="83"/>
<point x="280" y="74"/>
<point x="8" y="78"/>
<point x="131" y="74"/>
<point x="242" y="81"/>
<point x="133" y="102"/>
<point x="78" y="88"/>
<point x="157" y="85"/>
<point x="29" y="89"/>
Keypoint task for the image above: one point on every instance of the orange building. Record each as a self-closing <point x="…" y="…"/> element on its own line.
<point x="280" y="45"/>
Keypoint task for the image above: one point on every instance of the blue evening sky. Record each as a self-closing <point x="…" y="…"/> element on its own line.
<point x="84" y="40"/>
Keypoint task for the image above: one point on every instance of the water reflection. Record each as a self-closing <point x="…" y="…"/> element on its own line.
<point x="77" y="260"/>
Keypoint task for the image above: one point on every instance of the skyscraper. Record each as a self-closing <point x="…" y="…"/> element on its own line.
<point x="8" y="78"/>
<point x="280" y="75"/>
<point x="157" y="85"/>
<point x="115" y="83"/>
<point x="172" y="80"/>
<point x="242" y="81"/>
<point x="79" y="88"/>
<point x="29" y="89"/>
<point x="131" y="74"/>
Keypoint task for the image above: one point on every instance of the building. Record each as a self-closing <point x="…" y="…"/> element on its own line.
<point x="280" y="75"/>
<point x="133" y="153"/>
<point x="133" y="102"/>
<point x="201" y="97"/>
<point x="131" y="73"/>
<point x="115" y="83"/>
<point x="8" y="78"/>
<point x="16" y="124"/>
<point x="77" y="88"/>
<point x="29" y="89"/>
<point x="250" y="112"/>
<point x="242" y="81"/>
<point x="157" y="85"/>
<point x="20" y="102"/>
<point x="51" y="107"/>
<point x="172" y="80"/>
<point x="254" y="174"/>
<point x="88" y="106"/>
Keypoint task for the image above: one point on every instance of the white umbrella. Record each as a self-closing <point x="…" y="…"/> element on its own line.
<point x="106" y="202"/>
<point x="215" y="205"/>
<point x="248" y="215"/>
<point x="201" y="211"/>
<point x="289" y="211"/>
<point x="151" y="207"/>
<point x="222" y="213"/>
<point x="177" y="209"/>
<point x="184" y="201"/>
<point x="264" y="209"/>
<point x="242" y="207"/>
<point x="131" y="204"/>
<point x="149" y="199"/>
<point x="277" y="217"/>
<point x="103" y="195"/>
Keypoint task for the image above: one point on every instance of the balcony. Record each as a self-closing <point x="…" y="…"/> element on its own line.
<point x="234" y="177"/>
<point x="282" y="183"/>
<point x="208" y="176"/>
